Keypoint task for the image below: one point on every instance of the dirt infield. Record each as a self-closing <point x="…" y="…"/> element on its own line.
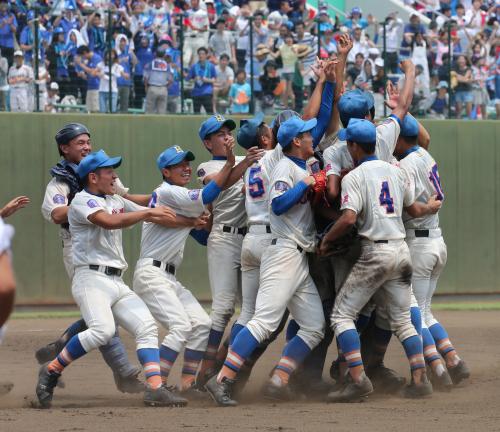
<point x="89" y="402"/>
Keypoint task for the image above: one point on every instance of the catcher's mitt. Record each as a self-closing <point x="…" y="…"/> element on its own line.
<point x="319" y="188"/>
<point x="342" y="245"/>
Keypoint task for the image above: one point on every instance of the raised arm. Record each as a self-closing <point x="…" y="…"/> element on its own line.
<point x="406" y="95"/>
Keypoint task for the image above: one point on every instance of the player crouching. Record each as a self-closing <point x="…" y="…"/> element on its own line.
<point x="373" y="197"/>
<point x="96" y="217"/>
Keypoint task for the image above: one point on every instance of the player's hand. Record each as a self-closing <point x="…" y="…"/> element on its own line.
<point x="309" y="180"/>
<point x="407" y="67"/>
<point x="392" y="95"/>
<point x="330" y="70"/>
<point x="229" y="146"/>
<point x="14" y="205"/>
<point x="345" y="45"/>
<point x="202" y="221"/>
<point x="323" y="248"/>
<point x="161" y="214"/>
<point x="254" y="154"/>
<point x="434" y="204"/>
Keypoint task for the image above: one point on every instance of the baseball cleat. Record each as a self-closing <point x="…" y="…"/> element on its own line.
<point x="277" y="393"/>
<point x="201" y="380"/>
<point x="221" y="393"/>
<point x="5" y="387"/>
<point x="48" y="352"/>
<point x="45" y="387"/>
<point x="442" y="382"/>
<point x="385" y="380"/>
<point x="351" y="391"/>
<point x="459" y="372"/>
<point x="130" y="383"/>
<point x="335" y="370"/>
<point x="193" y="393"/>
<point x="416" y="391"/>
<point x="162" y="397"/>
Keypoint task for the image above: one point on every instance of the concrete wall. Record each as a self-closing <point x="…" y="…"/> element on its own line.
<point x="467" y="153"/>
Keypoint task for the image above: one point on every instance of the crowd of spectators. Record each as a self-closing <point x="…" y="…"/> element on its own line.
<point x="136" y="44"/>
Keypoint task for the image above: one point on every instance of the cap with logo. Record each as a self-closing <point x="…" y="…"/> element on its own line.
<point x="213" y="124"/>
<point x="248" y="130"/>
<point x="292" y="127"/>
<point x="409" y="127"/>
<point x="359" y="131"/>
<point x="172" y="156"/>
<point x="96" y="160"/>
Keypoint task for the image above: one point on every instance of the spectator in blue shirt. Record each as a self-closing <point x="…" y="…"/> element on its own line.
<point x="203" y="74"/>
<point x="240" y="94"/>
<point x="145" y="55"/>
<point x="127" y="60"/>
<point x="356" y="19"/>
<point x="414" y="26"/>
<point x="87" y="63"/>
<point x="69" y="20"/>
<point x="27" y="40"/>
<point x="8" y="28"/>
<point x="96" y="34"/>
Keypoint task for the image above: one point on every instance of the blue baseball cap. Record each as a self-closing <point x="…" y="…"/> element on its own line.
<point x="248" y="130"/>
<point x="360" y="131"/>
<point x="96" y="160"/>
<point x="213" y="124"/>
<point x="356" y="10"/>
<point x="172" y="156"/>
<point x="292" y="127"/>
<point x="409" y="127"/>
<point x="355" y="104"/>
<point x="58" y="30"/>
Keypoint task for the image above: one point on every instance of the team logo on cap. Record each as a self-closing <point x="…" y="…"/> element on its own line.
<point x="178" y="149"/>
<point x="219" y="118"/>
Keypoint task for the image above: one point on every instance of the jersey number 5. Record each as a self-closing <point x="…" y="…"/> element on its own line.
<point x="436" y="181"/>
<point x="385" y="198"/>
<point x="255" y="183"/>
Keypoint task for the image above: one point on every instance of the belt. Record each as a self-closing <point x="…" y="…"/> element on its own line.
<point x="234" y="230"/>
<point x="169" y="268"/>
<point x="421" y="233"/>
<point x="110" y="271"/>
<point x="259" y="228"/>
<point x="381" y="241"/>
<point x="275" y="241"/>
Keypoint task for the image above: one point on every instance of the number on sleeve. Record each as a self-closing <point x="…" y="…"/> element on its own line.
<point x="255" y="183"/>
<point x="153" y="200"/>
<point x="385" y="198"/>
<point x="436" y="181"/>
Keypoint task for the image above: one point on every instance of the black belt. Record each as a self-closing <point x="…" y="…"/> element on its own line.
<point x="268" y="228"/>
<point x="228" y="229"/>
<point x="110" y="271"/>
<point x="169" y="268"/>
<point x="274" y="241"/>
<point x="421" y="233"/>
<point x="381" y="241"/>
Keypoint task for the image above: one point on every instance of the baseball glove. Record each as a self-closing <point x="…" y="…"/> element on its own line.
<point x="319" y="189"/>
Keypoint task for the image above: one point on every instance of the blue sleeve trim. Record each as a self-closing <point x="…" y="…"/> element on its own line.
<point x="210" y="192"/>
<point x="324" y="114"/>
<point x="201" y="236"/>
<point x="286" y="201"/>
<point x="395" y="117"/>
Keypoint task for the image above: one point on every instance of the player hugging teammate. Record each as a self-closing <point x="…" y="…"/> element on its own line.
<point x="337" y="229"/>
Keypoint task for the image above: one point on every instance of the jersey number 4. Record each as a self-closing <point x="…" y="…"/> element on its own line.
<point x="255" y="182"/>
<point x="386" y="199"/>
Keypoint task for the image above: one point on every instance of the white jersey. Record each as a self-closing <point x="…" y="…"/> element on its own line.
<point x="6" y="234"/>
<point x="422" y="169"/>
<point x="56" y="195"/>
<point x="167" y="244"/>
<point x="229" y="207"/>
<point x="91" y="243"/>
<point x="377" y="191"/>
<point x="15" y="73"/>
<point x="297" y="224"/>
<point x="257" y="183"/>
<point x="338" y="158"/>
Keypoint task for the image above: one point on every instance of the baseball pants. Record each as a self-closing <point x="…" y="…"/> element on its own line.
<point x="105" y="302"/>
<point x="224" y="273"/>
<point x="383" y="271"/>
<point x="255" y="243"/>
<point x="173" y="306"/>
<point x="428" y="256"/>
<point x="285" y="282"/>
<point x="19" y="100"/>
<point x="156" y="100"/>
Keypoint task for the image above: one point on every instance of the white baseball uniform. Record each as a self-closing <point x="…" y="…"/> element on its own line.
<point x="104" y="299"/>
<point x="423" y="235"/>
<point x="284" y="276"/>
<point x="377" y="192"/>
<point x="20" y="92"/>
<point x="174" y="306"/>
<point x="224" y="245"/>
<point x="6" y="234"/>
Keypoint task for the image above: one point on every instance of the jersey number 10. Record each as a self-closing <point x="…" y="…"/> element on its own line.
<point x="386" y="199"/>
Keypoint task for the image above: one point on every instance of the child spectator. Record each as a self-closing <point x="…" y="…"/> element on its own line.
<point x="240" y="94"/>
<point x="271" y="86"/>
<point x="117" y="71"/>
<point x="439" y="105"/>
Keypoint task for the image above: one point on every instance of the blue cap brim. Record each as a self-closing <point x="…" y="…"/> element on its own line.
<point x="185" y="155"/>
<point x="342" y="135"/>
<point x="114" y="162"/>
<point x="309" y="125"/>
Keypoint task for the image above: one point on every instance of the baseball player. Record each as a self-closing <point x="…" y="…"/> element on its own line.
<point x="73" y="143"/>
<point x="373" y="197"/>
<point x="162" y="248"/>
<point x="226" y="236"/>
<point x="96" y="217"/>
<point x="20" y="80"/>
<point x="284" y="274"/>
<point x="428" y="255"/>
<point x="360" y="104"/>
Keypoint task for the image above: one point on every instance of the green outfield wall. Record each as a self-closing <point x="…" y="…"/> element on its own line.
<point x="468" y="155"/>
